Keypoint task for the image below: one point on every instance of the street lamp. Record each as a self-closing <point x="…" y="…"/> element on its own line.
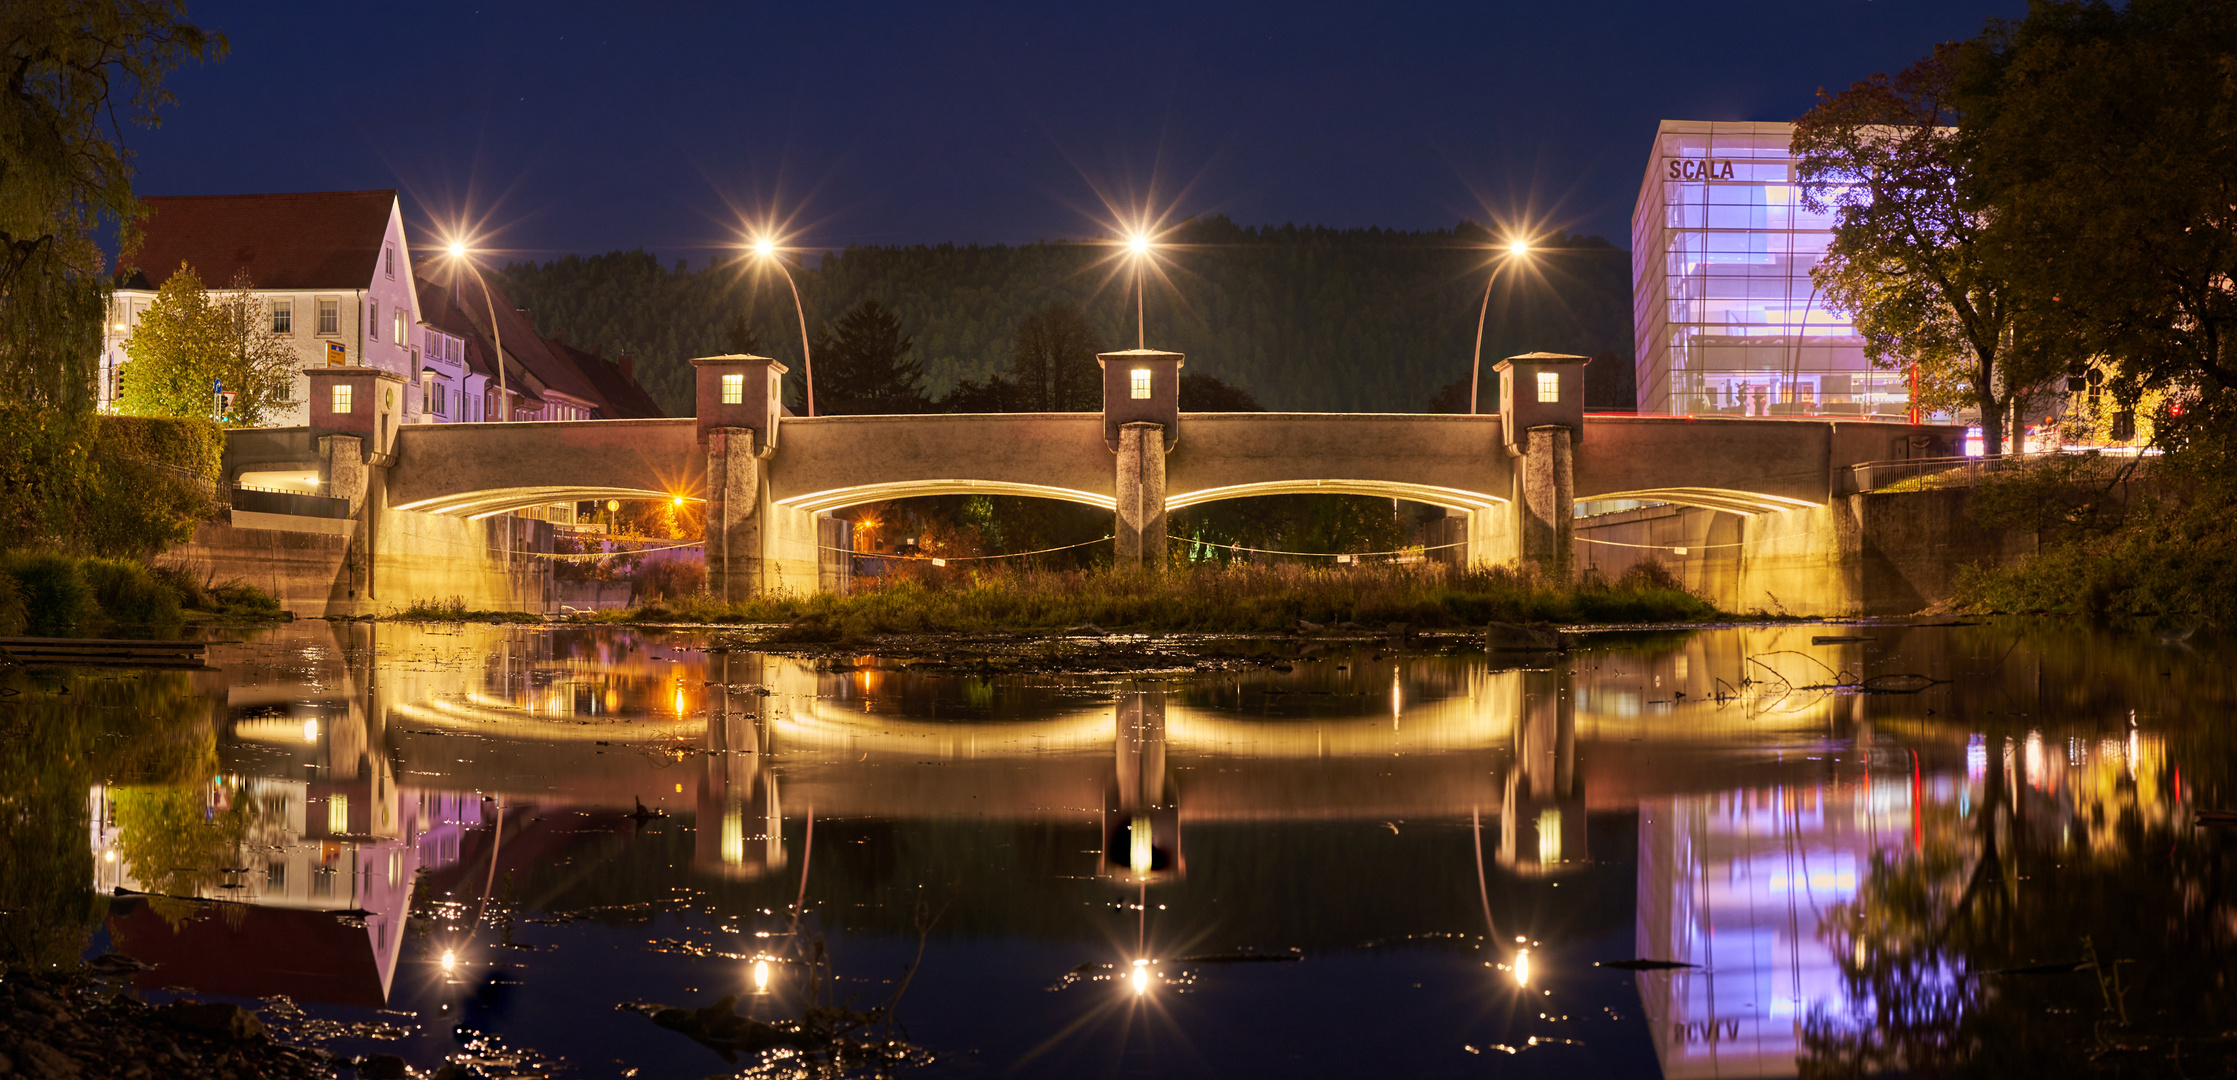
<point x="1516" y="249"/>
<point x="1138" y="246"/>
<point x="767" y="250"/>
<point x="460" y="255"/>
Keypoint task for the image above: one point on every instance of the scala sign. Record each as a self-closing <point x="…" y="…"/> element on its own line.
<point x="1705" y="169"/>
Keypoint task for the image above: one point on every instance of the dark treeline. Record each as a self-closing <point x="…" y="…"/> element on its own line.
<point x="1301" y="318"/>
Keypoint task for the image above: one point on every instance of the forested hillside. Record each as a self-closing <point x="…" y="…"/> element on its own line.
<point x="1304" y="318"/>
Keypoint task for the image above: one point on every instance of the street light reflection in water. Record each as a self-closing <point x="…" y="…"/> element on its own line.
<point x="984" y="843"/>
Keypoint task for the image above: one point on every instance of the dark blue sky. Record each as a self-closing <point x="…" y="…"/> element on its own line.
<point x="586" y="127"/>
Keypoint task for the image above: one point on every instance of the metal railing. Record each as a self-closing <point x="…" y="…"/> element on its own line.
<point x="1945" y="471"/>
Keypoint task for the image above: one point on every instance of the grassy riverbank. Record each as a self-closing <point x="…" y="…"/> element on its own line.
<point x="1234" y="599"/>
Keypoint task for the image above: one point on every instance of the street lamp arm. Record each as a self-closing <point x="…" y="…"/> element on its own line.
<point x="1476" y="369"/>
<point x="808" y="363"/>
<point x="497" y="335"/>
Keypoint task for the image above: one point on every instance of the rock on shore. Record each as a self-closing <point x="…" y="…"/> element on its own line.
<point x="71" y="1027"/>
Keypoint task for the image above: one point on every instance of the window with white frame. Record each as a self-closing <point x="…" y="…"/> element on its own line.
<point x="373" y="319"/>
<point x="438" y="406"/>
<point x="733" y="389"/>
<point x="341" y="398"/>
<point x="1549" y="386"/>
<point x="283" y="316"/>
<point x="388" y="261"/>
<point x="330" y="316"/>
<point x="399" y="316"/>
<point x="1141" y="384"/>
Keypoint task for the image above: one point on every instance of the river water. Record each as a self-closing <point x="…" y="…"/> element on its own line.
<point x="1947" y="848"/>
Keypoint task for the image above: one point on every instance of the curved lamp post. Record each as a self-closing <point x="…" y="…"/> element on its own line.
<point x="1519" y="249"/>
<point x="767" y="250"/>
<point x="459" y="253"/>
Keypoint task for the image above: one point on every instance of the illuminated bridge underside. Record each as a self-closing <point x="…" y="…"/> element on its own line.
<point x="840" y="498"/>
<point x="1738" y="502"/>
<point x="1422" y="493"/>
<point x="481" y="504"/>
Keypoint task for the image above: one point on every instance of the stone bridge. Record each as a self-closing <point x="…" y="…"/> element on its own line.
<point x="1513" y="477"/>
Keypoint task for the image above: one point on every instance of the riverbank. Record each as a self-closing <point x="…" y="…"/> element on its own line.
<point x="1236" y="599"/>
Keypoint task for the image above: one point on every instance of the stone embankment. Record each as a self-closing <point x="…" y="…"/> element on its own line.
<point x="68" y="1027"/>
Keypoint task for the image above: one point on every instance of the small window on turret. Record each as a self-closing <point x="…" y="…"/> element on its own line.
<point x="1141" y="384"/>
<point x="1549" y="386"/>
<point x="342" y="398"/>
<point x="733" y="389"/>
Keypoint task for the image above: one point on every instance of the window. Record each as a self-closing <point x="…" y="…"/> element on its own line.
<point x="388" y="261"/>
<point x="439" y="407"/>
<point x="1141" y="384"/>
<point x="733" y="389"/>
<point x="341" y="398"/>
<point x="330" y="316"/>
<point x="373" y="319"/>
<point x="399" y="335"/>
<point x="1549" y="386"/>
<point x="283" y="316"/>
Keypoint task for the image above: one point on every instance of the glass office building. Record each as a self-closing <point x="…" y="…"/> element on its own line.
<point x="1729" y="322"/>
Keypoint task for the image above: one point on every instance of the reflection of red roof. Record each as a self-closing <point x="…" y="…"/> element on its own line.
<point x="250" y="951"/>
<point x="311" y="240"/>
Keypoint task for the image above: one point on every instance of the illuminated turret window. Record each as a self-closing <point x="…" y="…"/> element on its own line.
<point x="733" y="389"/>
<point x="342" y="398"/>
<point x="1549" y="386"/>
<point x="1141" y="384"/>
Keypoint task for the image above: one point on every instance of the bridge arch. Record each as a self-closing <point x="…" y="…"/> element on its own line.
<point x="1707" y="498"/>
<point x="816" y="502"/>
<point x="476" y="505"/>
<point x="1433" y="495"/>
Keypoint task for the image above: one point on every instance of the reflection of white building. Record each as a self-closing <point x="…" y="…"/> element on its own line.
<point x="1736" y="883"/>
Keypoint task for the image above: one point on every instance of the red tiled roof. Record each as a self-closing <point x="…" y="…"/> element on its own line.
<point x="310" y="240"/>
<point x="619" y="395"/>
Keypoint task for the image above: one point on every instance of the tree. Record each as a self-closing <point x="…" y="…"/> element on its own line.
<point x="2108" y="138"/>
<point x="1052" y="360"/>
<point x="1915" y="258"/>
<point x="72" y="70"/>
<point x="866" y="364"/>
<point x="743" y="341"/>
<point x="190" y="343"/>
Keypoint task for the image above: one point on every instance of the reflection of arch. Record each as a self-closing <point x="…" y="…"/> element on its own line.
<point x="481" y="504"/>
<point x="836" y="498"/>
<point x="1386" y="489"/>
<point x="1738" y="502"/>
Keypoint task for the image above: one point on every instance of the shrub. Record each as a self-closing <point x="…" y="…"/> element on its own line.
<point x="12" y="618"/>
<point x="56" y="598"/>
<point x="665" y="579"/>
<point x="128" y="593"/>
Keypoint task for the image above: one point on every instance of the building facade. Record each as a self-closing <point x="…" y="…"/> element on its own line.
<point x="1728" y="320"/>
<point x="330" y="268"/>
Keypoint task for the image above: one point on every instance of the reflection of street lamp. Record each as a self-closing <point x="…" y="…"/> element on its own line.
<point x="767" y="250"/>
<point x="459" y="254"/>
<point x="1138" y="246"/>
<point x="1518" y="249"/>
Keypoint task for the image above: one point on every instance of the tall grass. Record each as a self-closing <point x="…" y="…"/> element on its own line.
<point x="1234" y="599"/>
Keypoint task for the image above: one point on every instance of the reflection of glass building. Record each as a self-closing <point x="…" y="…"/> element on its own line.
<point x="1728" y="320"/>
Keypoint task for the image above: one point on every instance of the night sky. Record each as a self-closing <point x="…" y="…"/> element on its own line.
<point x="582" y="127"/>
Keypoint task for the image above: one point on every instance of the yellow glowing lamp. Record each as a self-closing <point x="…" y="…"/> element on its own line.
<point x="1519" y="247"/>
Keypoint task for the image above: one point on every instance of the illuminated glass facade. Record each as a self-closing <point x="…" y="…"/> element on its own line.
<point x="1729" y="322"/>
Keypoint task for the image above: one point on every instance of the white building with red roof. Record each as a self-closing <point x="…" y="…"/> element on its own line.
<point x="330" y="267"/>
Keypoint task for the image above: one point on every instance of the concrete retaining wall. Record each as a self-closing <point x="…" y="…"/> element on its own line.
<point x="1872" y="554"/>
<point x="317" y="566"/>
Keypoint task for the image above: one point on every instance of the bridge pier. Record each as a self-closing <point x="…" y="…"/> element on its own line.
<point x="1542" y="418"/>
<point x="1138" y="536"/>
<point x="740" y="399"/>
